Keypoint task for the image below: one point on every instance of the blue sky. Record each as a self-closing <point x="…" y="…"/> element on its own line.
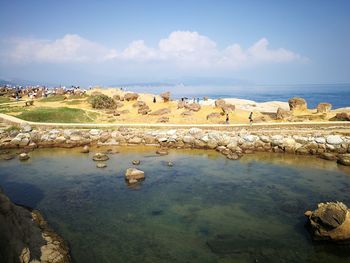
<point x="109" y="42"/>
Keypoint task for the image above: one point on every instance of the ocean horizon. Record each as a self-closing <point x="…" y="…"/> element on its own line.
<point x="336" y="94"/>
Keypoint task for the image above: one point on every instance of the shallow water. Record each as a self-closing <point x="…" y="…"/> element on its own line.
<point x="203" y="209"/>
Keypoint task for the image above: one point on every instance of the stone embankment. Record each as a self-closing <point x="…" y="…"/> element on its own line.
<point x="233" y="144"/>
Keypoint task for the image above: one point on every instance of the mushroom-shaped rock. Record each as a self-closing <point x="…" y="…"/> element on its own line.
<point x="85" y="149"/>
<point x="220" y="103"/>
<point x="324" y="107"/>
<point x="23" y="156"/>
<point x="283" y="114"/>
<point x="297" y="104"/>
<point x="330" y="221"/>
<point x="165" y="96"/>
<point x="133" y="175"/>
<point x="160" y="112"/>
<point x="100" y="157"/>
<point x="131" y="96"/>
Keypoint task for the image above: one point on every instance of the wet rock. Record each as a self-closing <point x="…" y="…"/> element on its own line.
<point x="324" y="107"/>
<point x="160" y="112"/>
<point x="344" y="159"/>
<point x="131" y="96"/>
<point x="232" y="156"/>
<point x="330" y="221"/>
<point x="136" y="162"/>
<point x="85" y="149"/>
<point x="162" y="152"/>
<point x="328" y="156"/>
<point x="23" y="156"/>
<point x="133" y="175"/>
<point x="297" y="104"/>
<point x="101" y="165"/>
<point x="100" y="157"/>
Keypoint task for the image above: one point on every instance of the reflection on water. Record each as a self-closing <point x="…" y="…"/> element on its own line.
<point x="203" y="209"/>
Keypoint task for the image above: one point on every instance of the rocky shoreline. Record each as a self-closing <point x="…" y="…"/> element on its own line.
<point x="25" y="236"/>
<point x="233" y="144"/>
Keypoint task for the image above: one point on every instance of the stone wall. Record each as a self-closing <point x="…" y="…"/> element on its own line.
<point x="227" y="142"/>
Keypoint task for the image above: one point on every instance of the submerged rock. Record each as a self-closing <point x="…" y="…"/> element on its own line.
<point x="101" y="165"/>
<point x="330" y="221"/>
<point x="344" y="159"/>
<point x="100" y="157"/>
<point x="133" y="175"/>
<point x="86" y="149"/>
<point x="328" y="156"/>
<point x="170" y="164"/>
<point x="162" y="152"/>
<point x="136" y="162"/>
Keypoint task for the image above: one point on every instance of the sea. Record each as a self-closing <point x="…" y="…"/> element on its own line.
<point x="336" y="94"/>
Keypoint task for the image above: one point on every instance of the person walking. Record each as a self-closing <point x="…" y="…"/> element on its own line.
<point x="154" y="99"/>
<point x="251" y="118"/>
<point x="227" y="119"/>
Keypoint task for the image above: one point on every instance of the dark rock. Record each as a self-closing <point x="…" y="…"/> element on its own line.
<point x="100" y="157"/>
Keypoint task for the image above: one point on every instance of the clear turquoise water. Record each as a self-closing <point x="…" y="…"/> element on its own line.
<point x="203" y="209"/>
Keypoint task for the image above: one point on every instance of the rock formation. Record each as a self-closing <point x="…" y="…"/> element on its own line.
<point x="131" y="96"/>
<point x="283" y="114"/>
<point x="160" y="111"/>
<point x="330" y="221"/>
<point x="324" y="107"/>
<point x="165" y="96"/>
<point x="133" y="175"/>
<point x="297" y="104"/>
<point x="192" y="106"/>
<point x="100" y="157"/>
<point x="25" y="236"/>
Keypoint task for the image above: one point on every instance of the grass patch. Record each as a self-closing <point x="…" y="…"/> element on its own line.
<point x="73" y="102"/>
<point x="12" y="128"/>
<point x="53" y="98"/>
<point x="4" y="99"/>
<point x="7" y="109"/>
<point x="59" y="115"/>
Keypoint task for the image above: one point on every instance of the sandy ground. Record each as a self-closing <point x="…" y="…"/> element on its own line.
<point x="262" y="112"/>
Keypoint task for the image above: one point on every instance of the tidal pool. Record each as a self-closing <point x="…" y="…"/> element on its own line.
<point x="203" y="209"/>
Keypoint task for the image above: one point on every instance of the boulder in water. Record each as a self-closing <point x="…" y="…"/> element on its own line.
<point x="101" y="165"/>
<point x="100" y="157"/>
<point x="23" y="156"/>
<point x="330" y="221"/>
<point x="136" y="162"/>
<point x="85" y="149"/>
<point x="344" y="159"/>
<point x="133" y="175"/>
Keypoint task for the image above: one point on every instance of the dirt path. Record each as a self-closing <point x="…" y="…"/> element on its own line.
<point x="291" y="127"/>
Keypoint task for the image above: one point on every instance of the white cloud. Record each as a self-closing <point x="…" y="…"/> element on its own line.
<point x="183" y="49"/>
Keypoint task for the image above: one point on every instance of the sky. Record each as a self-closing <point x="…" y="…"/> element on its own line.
<point x="114" y="42"/>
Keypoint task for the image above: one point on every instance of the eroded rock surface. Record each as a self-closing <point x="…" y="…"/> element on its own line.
<point x="25" y="236"/>
<point x="330" y="221"/>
